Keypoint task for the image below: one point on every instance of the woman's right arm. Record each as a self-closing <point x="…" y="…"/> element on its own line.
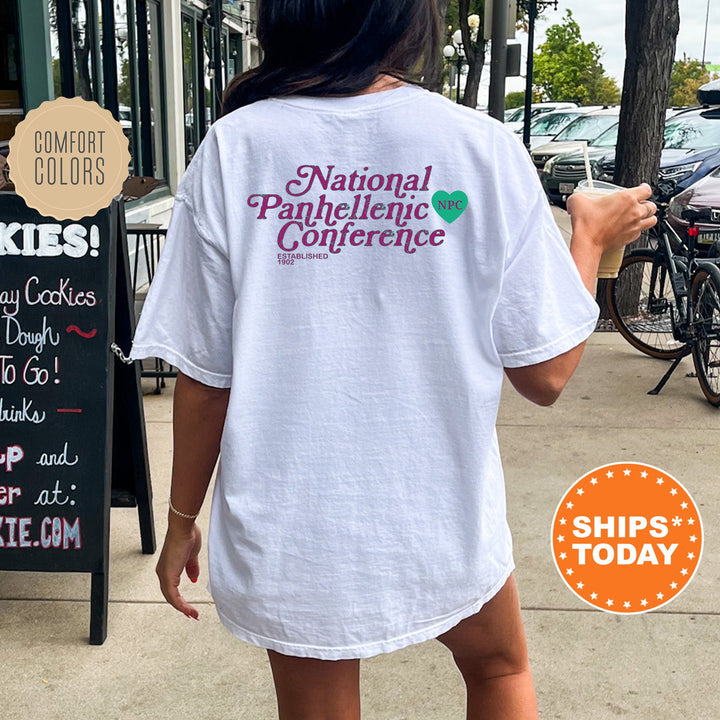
<point x="597" y="225"/>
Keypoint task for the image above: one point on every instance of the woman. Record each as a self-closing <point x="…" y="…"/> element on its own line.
<point x="352" y="263"/>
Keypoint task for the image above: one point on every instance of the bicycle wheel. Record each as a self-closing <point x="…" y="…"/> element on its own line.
<point x="706" y="350"/>
<point x="641" y="304"/>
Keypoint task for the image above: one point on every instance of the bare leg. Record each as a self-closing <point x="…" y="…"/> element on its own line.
<point x="311" y="689"/>
<point x="490" y="651"/>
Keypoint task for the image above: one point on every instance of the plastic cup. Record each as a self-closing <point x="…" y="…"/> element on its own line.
<point x="611" y="260"/>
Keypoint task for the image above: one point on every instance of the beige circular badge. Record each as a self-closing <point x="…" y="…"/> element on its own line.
<point x="68" y="158"/>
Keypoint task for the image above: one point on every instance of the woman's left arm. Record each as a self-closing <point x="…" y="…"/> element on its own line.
<point x="198" y="419"/>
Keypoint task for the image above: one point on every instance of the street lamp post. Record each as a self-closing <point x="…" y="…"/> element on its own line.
<point x="449" y="51"/>
<point x="457" y="41"/>
<point x="533" y="8"/>
<point x="707" y="17"/>
<point x="459" y="72"/>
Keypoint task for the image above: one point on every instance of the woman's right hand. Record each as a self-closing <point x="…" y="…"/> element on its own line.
<point x="612" y="221"/>
<point x="180" y="553"/>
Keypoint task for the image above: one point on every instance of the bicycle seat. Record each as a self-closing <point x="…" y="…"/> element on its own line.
<point x="697" y="214"/>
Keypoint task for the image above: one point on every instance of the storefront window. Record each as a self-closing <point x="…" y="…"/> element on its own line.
<point x="134" y="87"/>
<point x="208" y="73"/>
<point x="75" y="47"/>
<point x="84" y="41"/>
<point x="54" y="50"/>
<point x="113" y="52"/>
<point x="155" y="78"/>
<point x="198" y="83"/>
<point x="192" y="133"/>
<point x="124" y="87"/>
<point x="202" y="91"/>
<point x="235" y="59"/>
<point x="10" y="104"/>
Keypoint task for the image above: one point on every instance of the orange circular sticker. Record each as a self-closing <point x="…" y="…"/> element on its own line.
<point x="68" y="158"/>
<point x="627" y="538"/>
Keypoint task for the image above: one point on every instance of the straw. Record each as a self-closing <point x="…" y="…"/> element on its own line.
<point x="586" y="157"/>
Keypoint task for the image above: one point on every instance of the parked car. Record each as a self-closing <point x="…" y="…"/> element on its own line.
<point x="691" y="150"/>
<point x="563" y="172"/>
<point x="545" y="127"/>
<point x="125" y="118"/>
<point x="709" y="94"/>
<point x="588" y="128"/>
<point x="702" y="194"/>
<point x="516" y="118"/>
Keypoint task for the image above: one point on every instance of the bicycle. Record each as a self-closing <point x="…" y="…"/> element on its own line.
<point x="665" y="300"/>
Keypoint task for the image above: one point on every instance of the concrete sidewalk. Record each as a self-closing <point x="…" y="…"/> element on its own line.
<point x="587" y="664"/>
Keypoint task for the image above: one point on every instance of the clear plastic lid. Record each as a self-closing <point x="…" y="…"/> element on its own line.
<point x="584" y="186"/>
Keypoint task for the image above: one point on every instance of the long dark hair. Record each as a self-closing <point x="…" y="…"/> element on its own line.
<point x="338" y="47"/>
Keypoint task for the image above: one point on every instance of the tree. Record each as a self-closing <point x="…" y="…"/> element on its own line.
<point x="469" y="17"/>
<point x="569" y="70"/>
<point x="602" y="89"/>
<point x="124" y="92"/>
<point x="686" y="77"/>
<point x="514" y="99"/>
<point x="651" y="28"/>
<point x="439" y="80"/>
<point x="474" y="44"/>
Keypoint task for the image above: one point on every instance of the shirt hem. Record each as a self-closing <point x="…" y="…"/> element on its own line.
<point x="179" y="361"/>
<point x="552" y="349"/>
<point x="365" y="650"/>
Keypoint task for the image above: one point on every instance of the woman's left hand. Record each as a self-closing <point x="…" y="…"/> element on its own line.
<point x="180" y="552"/>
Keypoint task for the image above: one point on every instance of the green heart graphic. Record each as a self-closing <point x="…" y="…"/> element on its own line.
<point x="449" y="206"/>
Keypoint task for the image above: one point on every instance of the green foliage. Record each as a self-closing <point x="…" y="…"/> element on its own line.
<point x="514" y="99"/>
<point x="687" y="76"/>
<point x="602" y="89"/>
<point x="124" y="95"/>
<point x="57" y="85"/>
<point x="569" y="70"/>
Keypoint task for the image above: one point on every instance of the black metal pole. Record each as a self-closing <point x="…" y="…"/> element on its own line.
<point x="218" y="60"/>
<point x="92" y="26"/>
<point x="143" y="66"/>
<point x="66" y="43"/>
<point x="532" y="14"/>
<point x="707" y="17"/>
<point x="498" y="60"/>
<point x="109" y="58"/>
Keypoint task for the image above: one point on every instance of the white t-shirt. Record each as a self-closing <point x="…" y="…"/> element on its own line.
<point x="358" y="270"/>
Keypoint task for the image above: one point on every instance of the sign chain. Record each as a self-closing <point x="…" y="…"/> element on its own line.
<point x="117" y="351"/>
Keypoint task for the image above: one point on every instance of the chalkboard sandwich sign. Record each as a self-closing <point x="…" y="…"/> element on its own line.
<point x="71" y="421"/>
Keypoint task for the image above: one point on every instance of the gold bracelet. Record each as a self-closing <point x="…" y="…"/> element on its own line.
<point x="182" y="515"/>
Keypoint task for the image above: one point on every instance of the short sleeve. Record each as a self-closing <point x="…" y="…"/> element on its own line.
<point x="187" y="315"/>
<point x="544" y="309"/>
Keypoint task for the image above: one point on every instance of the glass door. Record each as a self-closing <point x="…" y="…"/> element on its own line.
<point x="11" y="110"/>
